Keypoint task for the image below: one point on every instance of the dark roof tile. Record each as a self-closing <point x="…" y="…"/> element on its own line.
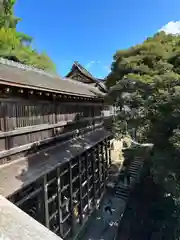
<point x="17" y="75"/>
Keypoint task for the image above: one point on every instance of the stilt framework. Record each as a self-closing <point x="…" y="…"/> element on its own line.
<point x="63" y="199"/>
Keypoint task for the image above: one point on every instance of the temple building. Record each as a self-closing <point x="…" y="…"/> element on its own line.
<point x="54" y="144"/>
<point x="79" y="73"/>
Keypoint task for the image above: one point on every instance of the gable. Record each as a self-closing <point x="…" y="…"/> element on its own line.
<point x="78" y="76"/>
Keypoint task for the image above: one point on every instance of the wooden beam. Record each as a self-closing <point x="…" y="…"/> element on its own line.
<point x="42" y="127"/>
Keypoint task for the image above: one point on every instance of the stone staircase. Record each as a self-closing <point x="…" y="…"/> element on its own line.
<point x="122" y="190"/>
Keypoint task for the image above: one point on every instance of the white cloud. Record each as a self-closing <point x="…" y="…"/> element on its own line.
<point x="172" y="27"/>
<point x="104" y="68"/>
<point x="89" y="64"/>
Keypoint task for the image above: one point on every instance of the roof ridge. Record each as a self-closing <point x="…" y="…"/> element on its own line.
<point x="25" y="67"/>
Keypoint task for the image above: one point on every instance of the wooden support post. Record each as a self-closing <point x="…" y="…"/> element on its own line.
<point x="59" y="202"/>
<point x="104" y="162"/>
<point x="71" y="197"/>
<point x="106" y="157"/>
<point x="46" y="207"/>
<point x="80" y="191"/>
<point x="87" y="176"/>
<point x="103" y="165"/>
<point x="109" y="149"/>
<point x="99" y="158"/>
<point x="93" y="174"/>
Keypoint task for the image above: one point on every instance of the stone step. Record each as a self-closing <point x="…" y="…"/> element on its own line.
<point x="122" y="193"/>
<point x="136" y="164"/>
<point x="133" y="173"/>
<point x="121" y="185"/>
<point x="122" y="196"/>
<point x="138" y="158"/>
<point x="134" y="168"/>
<point x="137" y="161"/>
<point x="119" y="193"/>
<point x="123" y="190"/>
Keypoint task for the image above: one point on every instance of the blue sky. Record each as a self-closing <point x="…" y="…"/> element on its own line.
<point x="91" y="31"/>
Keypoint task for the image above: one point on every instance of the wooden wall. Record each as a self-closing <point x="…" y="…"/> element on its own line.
<point x="26" y="123"/>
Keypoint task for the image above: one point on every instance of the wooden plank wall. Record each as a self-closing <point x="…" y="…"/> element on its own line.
<point x="24" y="123"/>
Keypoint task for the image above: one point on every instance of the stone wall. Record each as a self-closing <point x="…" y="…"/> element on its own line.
<point x="17" y="225"/>
<point x="116" y="149"/>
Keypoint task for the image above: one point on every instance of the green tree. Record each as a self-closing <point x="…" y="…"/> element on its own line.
<point x="7" y="18"/>
<point x="17" y="45"/>
<point x="144" y="84"/>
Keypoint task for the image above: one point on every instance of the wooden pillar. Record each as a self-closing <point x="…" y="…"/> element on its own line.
<point x="109" y="149"/>
<point x="103" y="165"/>
<point x="105" y="159"/>
<point x="87" y="176"/>
<point x="93" y="175"/>
<point x="99" y="159"/>
<point x="80" y="191"/>
<point x="59" y="201"/>
<point x="46" y="207"/>
<point x="71" y="197"/>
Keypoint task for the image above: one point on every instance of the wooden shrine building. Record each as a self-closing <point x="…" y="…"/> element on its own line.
<point x="54" y="148"/>
<point x="80" y="74"/>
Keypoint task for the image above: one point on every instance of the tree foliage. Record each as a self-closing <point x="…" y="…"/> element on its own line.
<point x="16" y="45"/>
<point x="145" y="86"/>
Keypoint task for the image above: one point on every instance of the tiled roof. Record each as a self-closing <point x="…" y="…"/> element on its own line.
<point x="98" y="82"/>
<point x="16" y="74"/>
<point x="84" y="71"/>
<point x="12" y="179"/>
